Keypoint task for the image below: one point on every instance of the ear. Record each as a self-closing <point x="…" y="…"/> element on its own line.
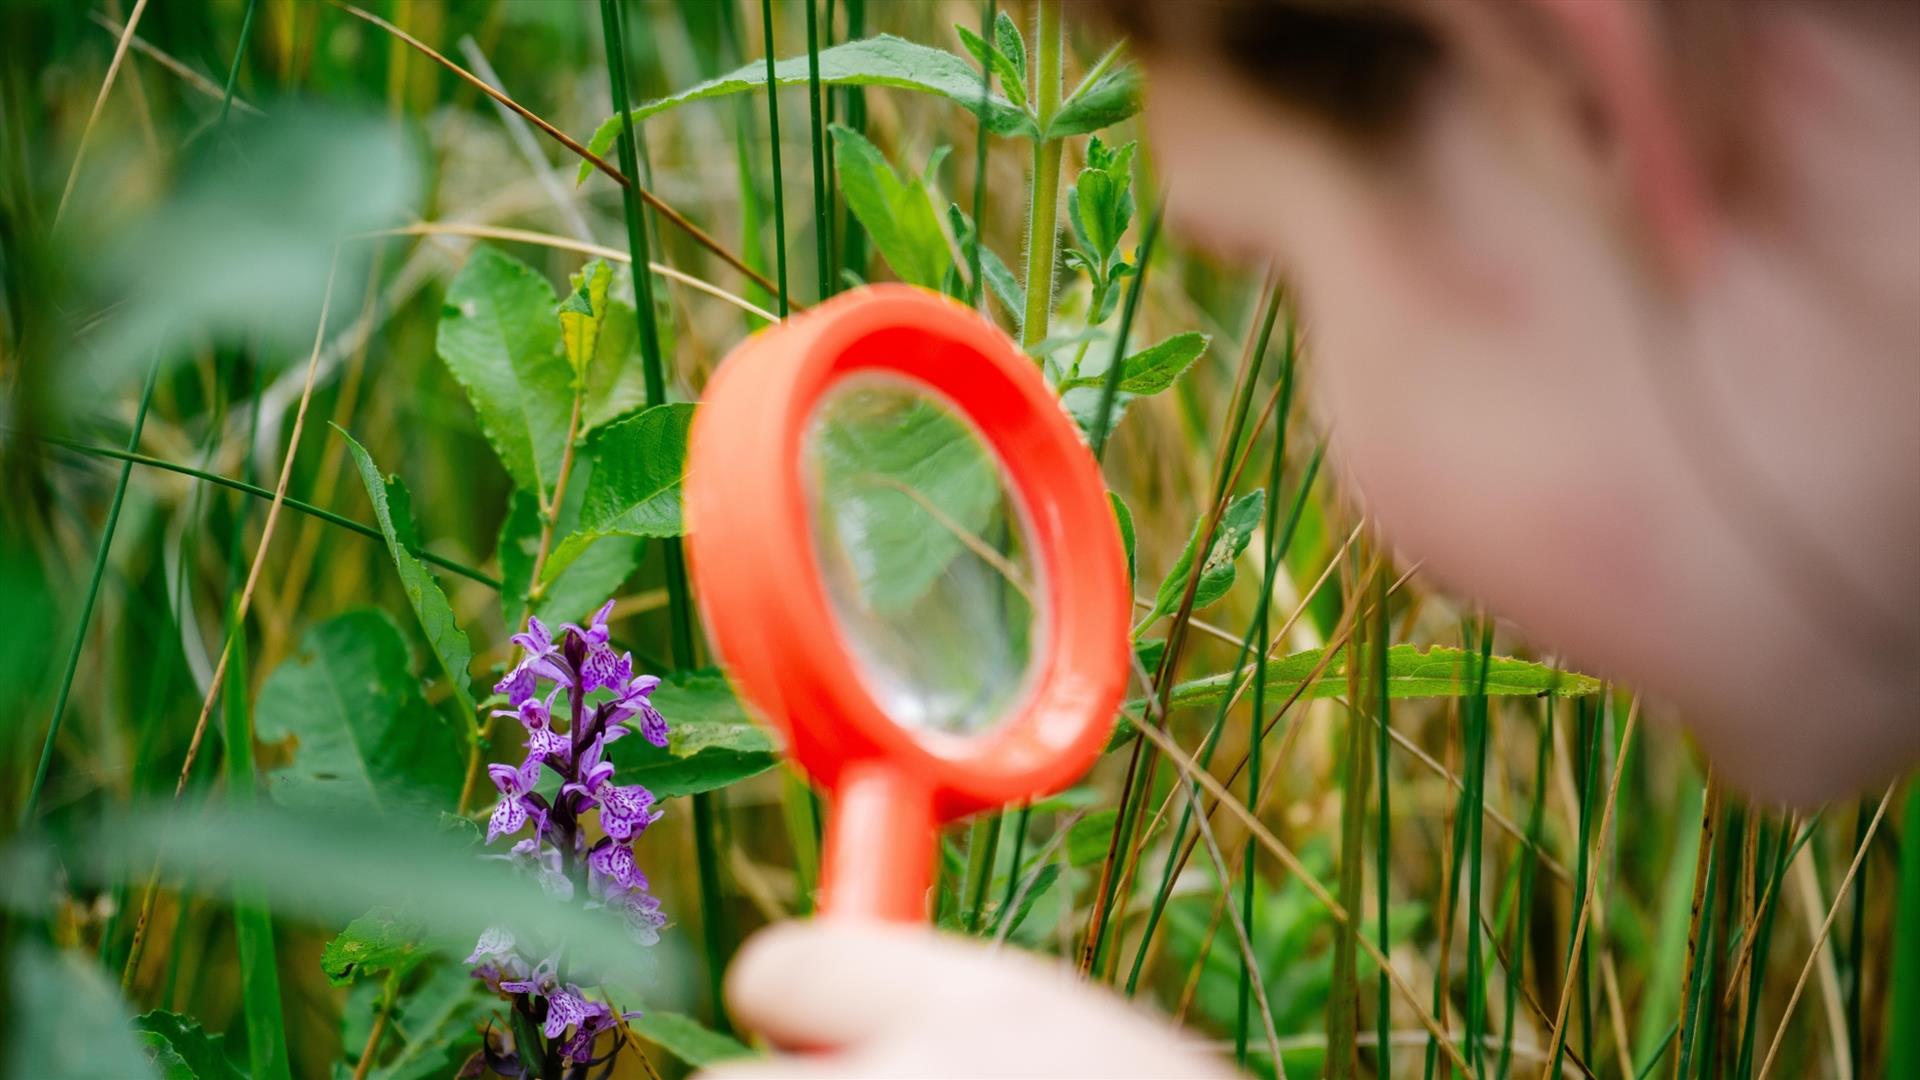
<point x="1630" y="75"/>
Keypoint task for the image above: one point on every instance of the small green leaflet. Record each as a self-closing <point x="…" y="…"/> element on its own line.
<point x="1011" y="78"/>
<point x="639" y="465"/>
<point x="685" y="1038"/>
<point x="1237" y="523"/>
<point x="876" y="61"/>
<point x="1154" y="368"/>
<point x="500" y="340"/>
<point x="1111" y="98"/>
<point x="582" y="314"/>
<point x="393" y="507"/>
<point x="1009" y="43"/>
<point x="1000" y="279"/>
<point x="1101" y="203"/>
<point x="897" y="214"/>
<point x="182" y="1049"/>
<point x="711" y="743"/>
<point x="380" y="941"/>
<point x="366" y="738"/>
<point x="1123" y="518"/>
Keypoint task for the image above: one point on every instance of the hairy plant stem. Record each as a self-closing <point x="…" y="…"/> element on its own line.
<point x="679" y="612"/>
<point x="1043" y="204"/>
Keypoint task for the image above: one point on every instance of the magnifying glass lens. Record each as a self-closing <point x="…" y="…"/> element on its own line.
<point x="924" y="554"/>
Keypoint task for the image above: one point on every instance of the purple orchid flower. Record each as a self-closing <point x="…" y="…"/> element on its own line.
<point x="636" y="699"/>
<point x="516" y="799"/>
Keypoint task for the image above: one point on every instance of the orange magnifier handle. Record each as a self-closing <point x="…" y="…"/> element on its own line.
<point x="758" y="567"/>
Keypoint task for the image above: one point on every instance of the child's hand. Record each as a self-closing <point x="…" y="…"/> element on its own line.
<point x="895" y="1001"/>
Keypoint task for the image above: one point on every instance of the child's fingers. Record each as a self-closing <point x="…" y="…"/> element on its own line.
<point x="831" y="984"/>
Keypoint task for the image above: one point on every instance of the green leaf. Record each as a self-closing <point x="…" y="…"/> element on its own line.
<point x="1043" y="880"/>
<point x="1412" y="672"/>
<point x="1007" y="39"/>
<point x="898" y="214"/>
<point x="1087" y="840"/>
<point x="68" y="1021"/>
<point x="182" y="1049"/>
<point x="685" y="1038"/>
<point x="876" y="61"/>
<point x="634" y="490"/>
<point x="366" y="738"/>
<point x="499" y="339"/>
<point x="582" y="314"/>
<point x="1153" y="368"/>
<point x="1236" y="527"/>
<point x="878" y="472"/>
<point x="1100" y="205"/>
<point x="583" y="585"/>
<point x="393" y="508"/>
<point x="1010" y="77"/>
<point x="616" y="383"/>
<point x="380" y="941"/>
<point x="1000" y="280"/>
<point x="442" y="1018"/>
<point x="1111" y="98"/>
<point x="1123" y="518"/>
<point x="710" y="742"/>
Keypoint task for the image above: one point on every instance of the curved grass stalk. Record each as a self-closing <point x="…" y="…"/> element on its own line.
<point x="626" y="181"/>
<point x="583" y="247"/>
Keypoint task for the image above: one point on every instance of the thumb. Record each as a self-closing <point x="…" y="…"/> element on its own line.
<point x="835" y="982"/>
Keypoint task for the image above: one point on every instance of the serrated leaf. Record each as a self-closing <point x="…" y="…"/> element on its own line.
<point x="1111" y="98"/>
<point x="687" y="1039"/>
<point x="639" y="465"/>
<point x="879" y="470"/>
<point x="884" y="60"/>
<point x="897" y="214"/>
<point x="1237" y="523"/>
<point x="500" y="340"/>
<point x="393" y="508"/>
<point x="1007" y="39"/>
<point x="366" y="737"/>
<point x="616" y="383"/>
<point x="582" y="314"/>
<point x="182" y="1049"/>
<point x="710" y="742"/>
<point x="380" y="941"/>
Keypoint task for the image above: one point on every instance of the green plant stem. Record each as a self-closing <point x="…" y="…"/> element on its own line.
<point x="233" y="70"/>
<point x="1383" y="829"/>
<point x="773" y="138"/>
<point x="983" y="843"/>
<point x="822" y="214"/>
<point x="1043" y="204"/>
<point x="679" y="613"/>
<point x="1535" y="817"/>
<point x="259" y="492"/>
<point x="1903" y="1036"/>
<point x="976" y="288"/>
<point x="29" y="808"/>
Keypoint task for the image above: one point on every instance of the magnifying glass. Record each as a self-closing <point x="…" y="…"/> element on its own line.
<point x="906" y="559"/>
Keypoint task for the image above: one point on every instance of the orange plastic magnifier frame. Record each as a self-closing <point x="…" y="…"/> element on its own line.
<point x="756" y="569"/>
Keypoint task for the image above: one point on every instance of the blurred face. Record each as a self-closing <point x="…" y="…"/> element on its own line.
<point x="1703" y="484"/>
